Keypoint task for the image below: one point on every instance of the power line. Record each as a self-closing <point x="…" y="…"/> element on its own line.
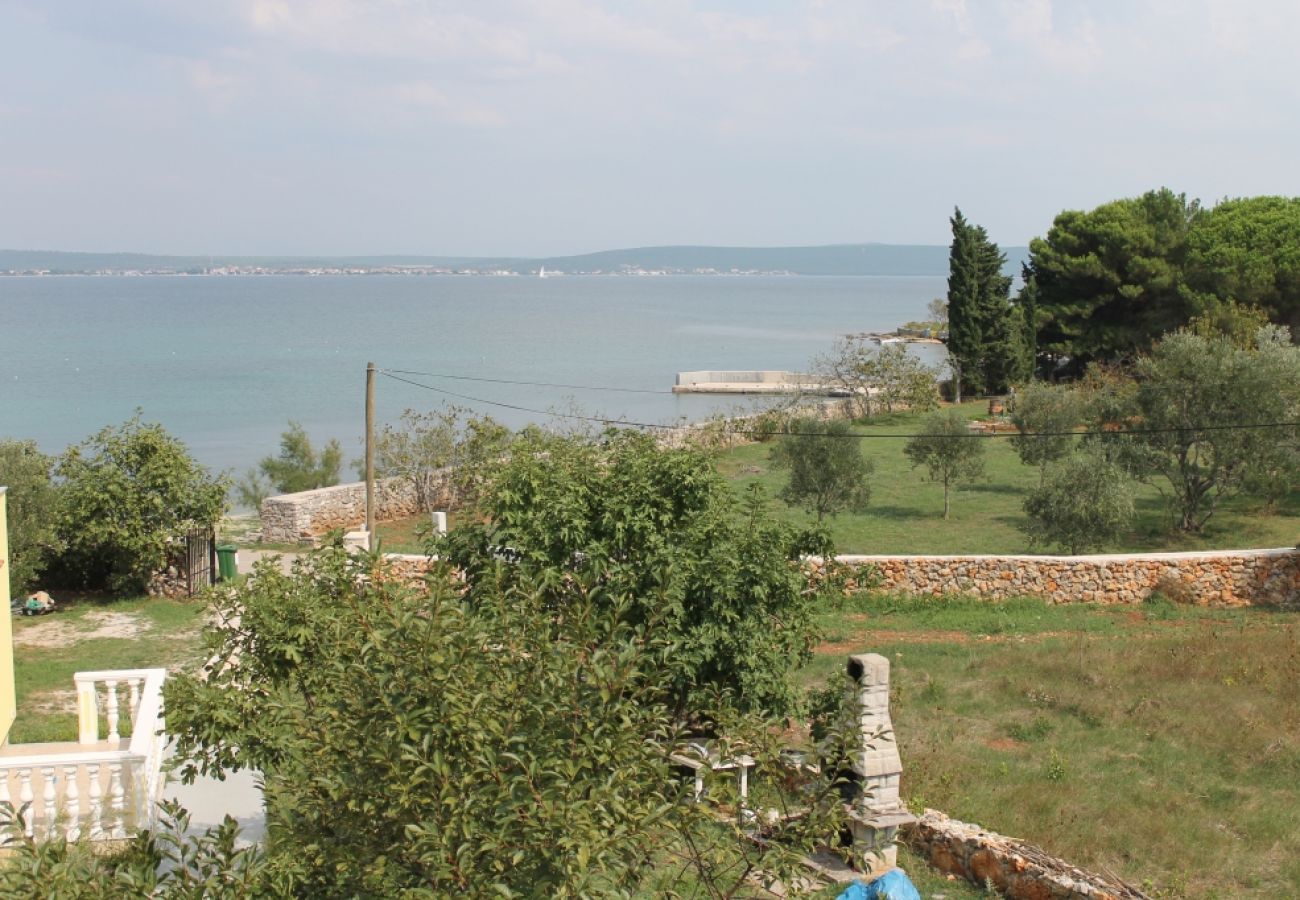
<point x="750" y="432"/>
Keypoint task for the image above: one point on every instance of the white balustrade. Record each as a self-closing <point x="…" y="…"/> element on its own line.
<point x="96" y="788"/>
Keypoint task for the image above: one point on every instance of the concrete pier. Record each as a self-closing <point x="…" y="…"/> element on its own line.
<point x="751" y="382"/>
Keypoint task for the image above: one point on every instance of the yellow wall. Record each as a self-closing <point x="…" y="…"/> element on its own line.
<point x="8" y="707"/>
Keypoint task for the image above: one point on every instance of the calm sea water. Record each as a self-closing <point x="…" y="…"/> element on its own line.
<point x="225" y="362"/>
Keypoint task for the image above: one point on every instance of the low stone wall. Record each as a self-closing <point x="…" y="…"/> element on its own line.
<point x="1016" y="869"/>
<point x="304" y="516"/>
<point x="1225" y="578"/>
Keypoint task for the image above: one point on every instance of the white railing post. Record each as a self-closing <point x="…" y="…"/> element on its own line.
<point x="49" y="810"/>
<point x="133" y="697"/>
<point x="111" y="710"/>
<point x="25" y="798"/>
<point x="96" y="793"/>
<point x="71" y="803"/>
<point x="87" y="712"/>
<point x="116" y="800"/>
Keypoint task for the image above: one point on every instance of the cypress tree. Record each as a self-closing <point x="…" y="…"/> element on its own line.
<point x="964" y="335"/>
<point x="983" y="341"/>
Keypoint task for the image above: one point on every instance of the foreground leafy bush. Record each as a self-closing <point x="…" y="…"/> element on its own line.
<point x="419" y="743"/>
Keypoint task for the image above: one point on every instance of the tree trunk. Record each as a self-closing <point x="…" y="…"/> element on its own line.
<point x="945" y="500"/>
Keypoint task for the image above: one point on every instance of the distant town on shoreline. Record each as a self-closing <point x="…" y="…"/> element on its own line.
<point x="837" y="259"/>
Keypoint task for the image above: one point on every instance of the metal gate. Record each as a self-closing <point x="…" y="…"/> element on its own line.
<point x="200" y="559"/>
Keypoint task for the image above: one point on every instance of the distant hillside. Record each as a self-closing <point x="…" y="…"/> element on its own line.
<point x="60" y="261"/>
<point x="837" y="259"/>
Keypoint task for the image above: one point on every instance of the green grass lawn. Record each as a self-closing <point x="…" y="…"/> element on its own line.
<point x="409" y="535"/>
<point x="905" y="515"/>
<point x="1160" y="743"/>
<point x="88" y="635"/>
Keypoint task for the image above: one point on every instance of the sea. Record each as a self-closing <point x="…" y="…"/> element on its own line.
<point x="225" y="362"/>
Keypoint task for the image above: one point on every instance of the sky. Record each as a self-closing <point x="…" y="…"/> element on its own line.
<point x="546" y="127"/>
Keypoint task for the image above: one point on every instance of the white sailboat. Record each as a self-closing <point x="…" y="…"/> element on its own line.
<point x="541" y="273"/>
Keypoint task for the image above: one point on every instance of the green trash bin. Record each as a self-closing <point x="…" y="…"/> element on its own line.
<point x="226" y="561"/>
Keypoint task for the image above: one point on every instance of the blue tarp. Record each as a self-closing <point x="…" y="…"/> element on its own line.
<point x="893" y="885"/>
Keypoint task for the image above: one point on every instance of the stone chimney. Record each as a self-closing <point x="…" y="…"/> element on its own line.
<point x="876" y="812"/>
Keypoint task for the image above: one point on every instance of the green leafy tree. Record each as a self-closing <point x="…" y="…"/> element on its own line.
<point x="34" y="509"/>
<point x="127" y="492"/>
<point x="1247" y="250"/>
<point x="441" y="454"/>
<point x="945" y="446"/>
<point x="982" y="344"/>
<point x="659" y="526"/>
<point x="828" y="472"/>
<point x="489" y="740"/>
<point x="299" y="467"/>
<point x="1109" y="282"/>
<point x="1198" y="400"/>
<point x="1084" y="503"/>
<point x="1045" y="415"/>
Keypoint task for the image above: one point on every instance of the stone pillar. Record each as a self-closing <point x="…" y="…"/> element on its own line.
<point x="876" y="811"/>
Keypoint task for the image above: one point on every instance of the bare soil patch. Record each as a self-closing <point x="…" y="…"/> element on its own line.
<point x="54" y="632"/>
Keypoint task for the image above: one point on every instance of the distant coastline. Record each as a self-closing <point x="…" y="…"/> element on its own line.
<point x="886" y="260"/>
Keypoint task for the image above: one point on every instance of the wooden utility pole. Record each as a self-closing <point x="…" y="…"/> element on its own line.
<point x="370" y="455"/>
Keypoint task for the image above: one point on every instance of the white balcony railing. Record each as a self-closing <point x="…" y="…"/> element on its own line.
<point x="105" y="785"/>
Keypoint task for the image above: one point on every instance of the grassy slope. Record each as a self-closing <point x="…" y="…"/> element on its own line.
<point x="1160" y="744"/>
<point x="906" y="512"/>
<point x="43" y="674"/>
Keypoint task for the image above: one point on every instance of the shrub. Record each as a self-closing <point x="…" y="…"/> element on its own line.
<point x="128" y="491"/>
<point x="34" y="507"/>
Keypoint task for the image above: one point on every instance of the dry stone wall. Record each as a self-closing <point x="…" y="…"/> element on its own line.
<point x="1225" y="578"/>
<point x="305" y="516"/>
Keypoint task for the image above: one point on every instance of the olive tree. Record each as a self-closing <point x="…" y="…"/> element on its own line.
<point x="949" y="451"/>
<point x="828" y="472"/>
<point x="1211" y="416"/>
<point x="1046" y="416"/>
<point x="1084" y="502"/>
<point x="127" y="492"/>
<point x="442" y="454"/>
<point x="903" y="381"/>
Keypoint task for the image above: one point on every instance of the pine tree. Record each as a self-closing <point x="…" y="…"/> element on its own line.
<point x="964" y="335"/>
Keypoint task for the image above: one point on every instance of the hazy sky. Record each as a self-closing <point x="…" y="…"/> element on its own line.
<point x="557" y="126"/>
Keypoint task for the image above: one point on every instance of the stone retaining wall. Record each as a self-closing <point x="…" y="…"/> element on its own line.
<point x="1224" y="578"/>
<point x="302" y="517"/>
<point x="1015" y="868"/>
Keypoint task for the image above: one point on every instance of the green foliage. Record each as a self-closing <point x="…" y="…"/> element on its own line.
<point x="1084" y="503"/>
<point x="828" y="472"/>
<point x="1109" y="281"/>
<point x="1248" y="250"/>
<point x="169" y="864"/>
<point x="482" y="739"/>
<point x="127" y="492"/>
<point x="441" y="454"/>
<point x="982" y="344"/>
<point x="1191" y="391"/>
<point x="662" y="529"/>
<point x="1045" y="415"/>
<point x="299" y="467"/>
<point x="889" y="376"/>
<point x="950" y="453"/>
<point x="902" y="381"/>
<point x="34" y="510"/>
